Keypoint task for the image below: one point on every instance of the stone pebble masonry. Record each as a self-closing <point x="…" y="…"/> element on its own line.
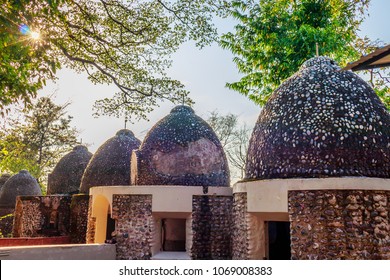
<point x="110" y="165"/>
<point x="181" y="149"/>
<point x="321" y="122"/>
<point x="41" y="216"/>
<point x="67" y="174"/>
<point x="240" y="227"/>
<point x="211" y="227"/>
<point x="134" y="233"/>
<point x="79" y="218"/>
<point x="340" y="224"/>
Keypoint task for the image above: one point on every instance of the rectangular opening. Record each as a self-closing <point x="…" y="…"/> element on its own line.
<point x="173" y="235"/>
<point x="278" y="240"/>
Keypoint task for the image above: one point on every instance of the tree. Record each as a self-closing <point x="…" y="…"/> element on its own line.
<point x="379" y="79"/>
<point x="38" y="140"/>
<point x="126" y="43"/>
<point x="274" y="37"/>
<point x="234" y="140"/>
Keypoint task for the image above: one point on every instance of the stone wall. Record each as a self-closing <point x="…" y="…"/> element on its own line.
<point x="6" y="225"/>
<point x="33" y="241"/>
<point x="79" y="218"/>
<point x="211" y="227"/>
<point x="6" y="221"/>
<point x="340" y="224"/>
<point x="6" y="211"/>
<point x="239" y="227"/>
<point x="134" y="232"/>
<point x="39" y="216"/>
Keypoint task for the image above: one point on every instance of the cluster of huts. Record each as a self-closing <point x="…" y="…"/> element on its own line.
<point x="317" y="182"/>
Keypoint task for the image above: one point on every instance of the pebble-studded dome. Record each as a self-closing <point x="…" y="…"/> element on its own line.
<point x="321" y="122"/>
<point x="181" y="149"/>
<point x="19" y="184"/>
<point x="3" y="178"/>
<point x="66" y="176"/>
<point x="110" y="165"/>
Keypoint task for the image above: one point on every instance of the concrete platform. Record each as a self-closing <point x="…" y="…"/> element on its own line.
<point x="171" y="256"/>
<point x="60" y="252"/>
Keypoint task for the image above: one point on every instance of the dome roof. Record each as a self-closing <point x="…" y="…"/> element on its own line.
<point x="3" y="178"/>
<point x="66" y="176"/>
<point x="181" y="149"/>
<point x="110" y="165"/>
<point x="19" y="184"/>
<point x="321" y="122"/>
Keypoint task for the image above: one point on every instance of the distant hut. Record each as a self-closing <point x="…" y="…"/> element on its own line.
<point x="110" y="165"/>
<point x="3" y="178"/>
<point x="67" y="174"/>
<point x="19" y="184"/>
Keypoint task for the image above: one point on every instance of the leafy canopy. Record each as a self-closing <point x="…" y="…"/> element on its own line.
<point x="274" y="37"/>
<point x="37" y="140"/>
<point x="123" y="42"/>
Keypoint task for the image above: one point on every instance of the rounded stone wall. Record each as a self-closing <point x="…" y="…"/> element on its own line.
<point x="3" y="178"/>
<point x="110" y="165"/>
<point x="181" y="149"/>
<point x="19" y="184"/>
<point x="321" y="122"/>
<point x="66" y="176"/>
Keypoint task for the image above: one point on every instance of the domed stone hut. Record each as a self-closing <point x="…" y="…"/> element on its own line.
<point x="19" y="184"/>
<point x="3" y="178"/>
<point x="110" y="165"/>
<point x="181" y="149"/>
<point x="67" y="174"/>
<point x="179" y="203"/>
<point x="321" y="123"/>
<point x="317" y="172"/>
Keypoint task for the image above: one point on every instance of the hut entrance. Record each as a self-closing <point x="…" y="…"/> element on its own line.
<point x="278" y="240"/>
<point x="101" y="211"/>
<point x="110" y="227"/>
<point x="174" y="235"/>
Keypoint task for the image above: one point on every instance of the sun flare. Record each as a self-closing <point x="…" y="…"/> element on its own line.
<point x="35" y="35"/>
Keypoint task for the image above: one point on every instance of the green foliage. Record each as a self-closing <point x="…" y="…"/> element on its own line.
<point x="38" y="140"/>
<point x="274" y="37"/>
<point x="378" y="78"/>
<point x="384" y="95"/>
<point x="25" y="64"/>
<point x="126" y="43"/>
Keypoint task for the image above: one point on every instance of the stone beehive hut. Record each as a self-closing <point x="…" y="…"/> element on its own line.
<point x="3" y="178"/>
<point x="110" y="165"/>
<point x="321" y="122"/>
<point x="181" y="149"/>
<point x="318" y="162"/>
<point x="19" y="184"/>
<point x="179" y="199"/>
<point x="66" y="176"/>
<point x="7" y="221"/>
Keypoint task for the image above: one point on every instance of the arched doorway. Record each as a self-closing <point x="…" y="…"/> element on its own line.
<point x="104" y="223"/>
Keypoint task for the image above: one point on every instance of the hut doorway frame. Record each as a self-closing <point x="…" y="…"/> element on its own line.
<point x="101" y="212"/>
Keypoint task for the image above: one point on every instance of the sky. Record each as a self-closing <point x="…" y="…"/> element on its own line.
<point x="204" y="73"/>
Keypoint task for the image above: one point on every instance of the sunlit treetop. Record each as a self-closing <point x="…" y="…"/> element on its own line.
<point x="125" y="43"/>
<point x="274" y="37"/>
